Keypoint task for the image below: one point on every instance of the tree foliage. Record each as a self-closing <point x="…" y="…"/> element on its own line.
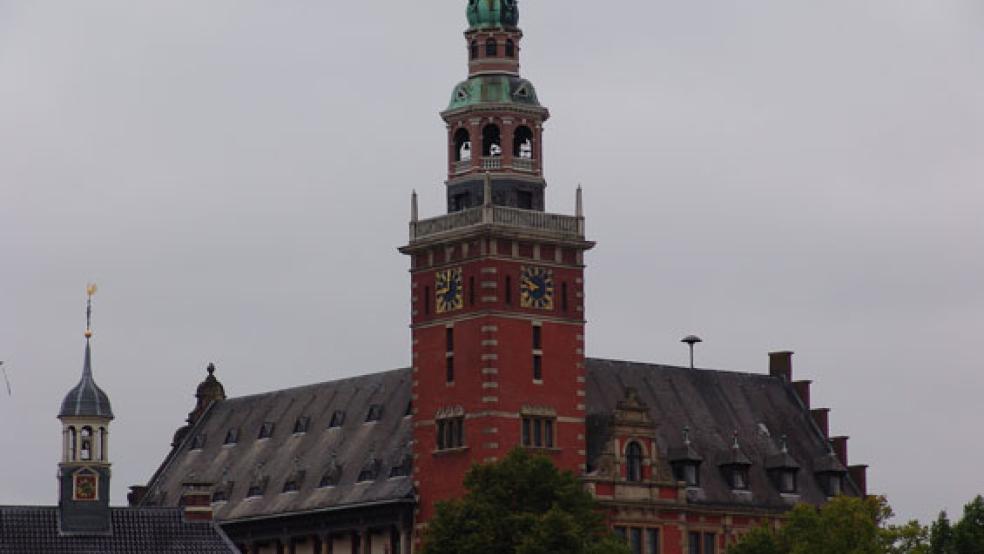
<point x="855" y="526"/>
<point x="520" y="505"/>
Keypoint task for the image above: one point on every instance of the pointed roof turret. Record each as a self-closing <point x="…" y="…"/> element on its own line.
<point x="86" y="399"/>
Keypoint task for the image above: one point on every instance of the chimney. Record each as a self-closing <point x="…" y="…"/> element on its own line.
<point x="821" y="416"/>
<point x="859" y="474"/>
<point x="802" y="389"/>
<point x="196" y="499"/>
<point x="839" y="445"/>
<point x="136" y="495"/>
<point x="781" y="365"/>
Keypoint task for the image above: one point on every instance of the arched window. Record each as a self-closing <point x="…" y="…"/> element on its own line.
<point x="462" y="145"/>
<point x="633" y="456"/>
<point x="473" y="52"/>
<point x="510" y="48"/>
<point x="523" y="143"/>
<point x="73" y="444"/>
<point x="491" y="48"/>
<point x="491" y="141"/>
<point x="85" y="443"/>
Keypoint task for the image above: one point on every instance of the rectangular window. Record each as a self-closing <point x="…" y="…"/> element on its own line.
<point x="337" y="419"/>
<point x="266" y="430"/>
<point x="710" y="543"/>
<point x="652" y="541"/>
<point x="449" y="369"/>
<point x="449" y="339"/>
<point x="622" y="532"/>
<point x="537" y="337"/>
<point x="450" y="433"/>
<point x="537" y="367"/>
<point x="508" y="292"/>
<point x="538" y="432"/>
<point x="693" y="543"/>
<point x="449" y="354"/>
<point x="635" y="540"/>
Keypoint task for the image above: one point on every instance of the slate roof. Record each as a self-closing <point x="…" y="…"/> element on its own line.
<point x="715" y="404"/>
<point x="86" y="399"/>
<point x="34" y="530"/>
<point x="358" y="457"/>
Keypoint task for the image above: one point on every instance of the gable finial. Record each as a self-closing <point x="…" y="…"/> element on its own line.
<point x="90" y="290"/>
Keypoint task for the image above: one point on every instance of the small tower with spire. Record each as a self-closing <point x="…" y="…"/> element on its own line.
<point x="84" y="470"/>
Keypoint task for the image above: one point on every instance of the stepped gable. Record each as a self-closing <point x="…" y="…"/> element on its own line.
<point x="255" y="477"/>
<point x="33" y="529"/>
<point x="713" y="405"/>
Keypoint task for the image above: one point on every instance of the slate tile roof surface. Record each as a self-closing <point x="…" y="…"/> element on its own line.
<point x="713" y="404"/>
<point x="34" y="530"/>
<point x="266" y="465"/>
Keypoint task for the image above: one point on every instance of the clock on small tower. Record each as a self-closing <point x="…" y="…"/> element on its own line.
<point x="537" y="288"/>
<point x="449" y="290"/>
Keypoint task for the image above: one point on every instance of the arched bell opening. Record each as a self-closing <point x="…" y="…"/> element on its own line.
<point x="523" y="143"/>
<point x="491" y="48"/>
<point x="462" y="145"/>
<point x="102" y="445"/>
<point x="73" y="444"/>
<point x="510" y="48"/>
<point x="85" y="444"/>
<point x="491" y="141"/>
<point x="473" y="50"/>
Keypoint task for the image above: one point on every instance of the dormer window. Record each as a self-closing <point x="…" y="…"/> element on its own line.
<point x="787" y="481"/>
<point x="337" y="419"/>
<point x="735" y="467"/>
<point x="266" y="430"/>
<point x="223" y="492"/>
<point x="232" y="436"/>
<point x="633" y="462"/>
<point x="198" y="442"/>
<point x="369" y="472"/>
<point x="783" y="469"/>
<point x="403" y="469"/>
<point x="257" y="488"/>
<point x="685" y="461"/>
<point x="375" y="413"/>
<point x="294" y="482"/>
<point x="330" y="477"/>
<point x="830" y="474"/>
<point x="302" y="424"/>
<point x="688" y="472"/>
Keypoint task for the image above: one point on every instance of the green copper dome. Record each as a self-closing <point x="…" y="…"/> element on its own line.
<point x="493" y="13"/>
<point x="493" y="89"/>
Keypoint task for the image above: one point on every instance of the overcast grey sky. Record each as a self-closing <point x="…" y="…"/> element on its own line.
<point x="235" y="174"/>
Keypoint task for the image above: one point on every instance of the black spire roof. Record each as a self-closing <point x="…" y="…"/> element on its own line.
<point x="86" y="399"/>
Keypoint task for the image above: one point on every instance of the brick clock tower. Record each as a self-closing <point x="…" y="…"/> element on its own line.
<point x="497" y="284"/>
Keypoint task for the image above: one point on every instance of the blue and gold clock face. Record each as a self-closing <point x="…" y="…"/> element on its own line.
<point x="449" y="291"/>
<point x="537" y="288"/>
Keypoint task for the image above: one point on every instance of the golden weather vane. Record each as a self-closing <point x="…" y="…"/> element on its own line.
<point x="90" y="290"/>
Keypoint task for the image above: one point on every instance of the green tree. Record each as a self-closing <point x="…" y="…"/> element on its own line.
<point x="521" y="505"/>
<point x="941" y="536"/>
<point x="968" y="533"/>
<point x="845" y="525"/>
